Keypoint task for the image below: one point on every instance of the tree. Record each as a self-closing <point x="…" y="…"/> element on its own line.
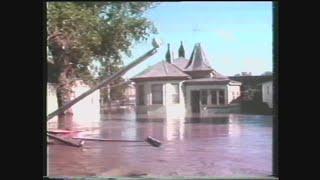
<point x="267" y="73"/>
<point x="80" y="33"/>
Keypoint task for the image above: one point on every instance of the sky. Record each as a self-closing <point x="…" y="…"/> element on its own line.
<point x="236" y="36"/>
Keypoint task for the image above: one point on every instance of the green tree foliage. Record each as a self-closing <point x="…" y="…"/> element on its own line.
<point x="80" y="33"/>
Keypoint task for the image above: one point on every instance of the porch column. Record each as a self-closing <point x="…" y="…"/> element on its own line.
<point x="218" y="99"/>
<point x="208" y="97"/>
<point x="147" y="94"/>
<point x="226" y="96"/>
<point x="164" y="94"/>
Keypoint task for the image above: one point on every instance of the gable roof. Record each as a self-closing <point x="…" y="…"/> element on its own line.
<point x="162" y="70"/>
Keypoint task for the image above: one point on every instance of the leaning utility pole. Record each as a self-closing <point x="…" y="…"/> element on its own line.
<point x="155" y="43"/>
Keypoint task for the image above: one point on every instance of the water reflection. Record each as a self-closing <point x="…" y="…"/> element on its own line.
<point x="131" y="126"/>
<point x="171" y="129"/>
<point x="66" y="122"/>
<point x="231" y="144"/>
<point x="210" y="120"/>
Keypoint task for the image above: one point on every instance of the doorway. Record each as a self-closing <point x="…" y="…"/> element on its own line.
<point x="195" y="101"/>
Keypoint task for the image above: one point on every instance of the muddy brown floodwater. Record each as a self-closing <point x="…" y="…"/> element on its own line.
<point x="228" y="145"/>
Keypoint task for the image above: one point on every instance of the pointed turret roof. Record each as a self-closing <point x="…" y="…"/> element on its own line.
<point x="198" y="60"/>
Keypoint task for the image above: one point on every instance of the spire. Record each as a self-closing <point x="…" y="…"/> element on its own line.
<point x="198" y="60"/>
<point x="168" y="55"/>
<point x="181" y="50"/>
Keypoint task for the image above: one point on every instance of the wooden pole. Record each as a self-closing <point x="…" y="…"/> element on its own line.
<point x="103" y="83"/>
<point x="155" y="44"/>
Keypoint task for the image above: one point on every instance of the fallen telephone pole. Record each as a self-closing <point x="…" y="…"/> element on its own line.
<point x="156" y="45"/>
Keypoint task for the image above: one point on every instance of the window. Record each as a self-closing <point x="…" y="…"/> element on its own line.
<point x="204" y="95"/>
<point x="157" y="94"/>
<point x="140" y="95"/>
<point x="175" y="94"/>
<point x="221" y="97"/>
<point x="214" y="97"/>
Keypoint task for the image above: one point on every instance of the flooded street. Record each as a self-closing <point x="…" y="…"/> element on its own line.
<point x="229" y="145"/>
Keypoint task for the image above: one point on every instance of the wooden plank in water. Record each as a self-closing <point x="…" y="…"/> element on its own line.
<point x="60" y="131"/>
<point x="110" y="140"/>
<point x="67" y="141"/>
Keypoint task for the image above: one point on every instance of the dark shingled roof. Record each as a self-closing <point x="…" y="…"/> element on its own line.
<point x="198" y="60"/>
<point x="161" y="70"/>
<point x="180" y="68"/>
<point x="218" y="75"/>
<point x="180" y="62"/>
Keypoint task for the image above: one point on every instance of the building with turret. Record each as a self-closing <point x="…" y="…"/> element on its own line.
<point x="181" y="86"/>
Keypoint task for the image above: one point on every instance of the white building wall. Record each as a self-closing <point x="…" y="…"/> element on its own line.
<point x="52" y="103"/>
<point x="207" y="109"/>
<point x="267" y="95"/>
<point x="167" y="108"/>
<point x="174" y="109"/>
<point x="88" y="109"/>
<point x="233" y="92"/>
<point x="184" y="107"/>
<point x="203" y="108"/>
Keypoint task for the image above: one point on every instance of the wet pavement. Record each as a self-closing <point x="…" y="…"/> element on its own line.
<point x="228" y="145"/>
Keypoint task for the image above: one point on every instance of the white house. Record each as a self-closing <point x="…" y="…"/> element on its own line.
<point x="88" y="109"/>
<point x="267" y="93"/>
<point x="185" y="86"/>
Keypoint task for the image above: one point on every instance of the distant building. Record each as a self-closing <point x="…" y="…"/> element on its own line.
<point x="267" y="93"/>
<point x="245" y="73"/>
<point x="183" y="86"/>
<point x="130" y="94"/>
<point x="86" y="109"/>
<point x="251" y="85"/>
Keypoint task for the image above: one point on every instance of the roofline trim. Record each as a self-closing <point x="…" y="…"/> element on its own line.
<point x="160" y="78"/>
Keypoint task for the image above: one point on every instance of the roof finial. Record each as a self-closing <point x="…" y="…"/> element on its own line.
<point x="168" y="54"/>
<point x="181" y="50"/>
